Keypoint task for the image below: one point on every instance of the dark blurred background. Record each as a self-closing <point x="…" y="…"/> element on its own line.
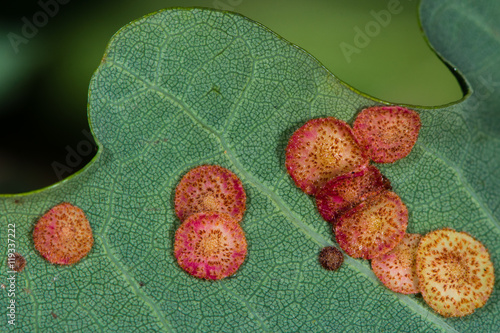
<point x="44" y="74"/>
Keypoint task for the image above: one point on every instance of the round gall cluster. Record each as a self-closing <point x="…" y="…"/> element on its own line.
<point x="210" y="243"/>
<point x="455" y="272"/>
<point x="387" y="133"/>
<point x="373" y="227"/>
<point x="210" y="188"/>
<point x="331" y="258"/>
<point x="63" y="235"/>
<point x="327" y="159"/>
<point x="321" y="150"/>
<point x="397" y="269"/>
<point x="342" y="193"/>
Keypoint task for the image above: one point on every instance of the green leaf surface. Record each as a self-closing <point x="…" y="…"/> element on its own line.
<point x="185" y="87"/>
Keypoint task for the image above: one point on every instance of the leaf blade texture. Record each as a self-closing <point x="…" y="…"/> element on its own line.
<point x="185" y="87"/>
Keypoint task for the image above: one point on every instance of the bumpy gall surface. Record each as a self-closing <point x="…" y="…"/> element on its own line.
<point x="63" y="235"/>
<point x="331" y="258"/>
<point x="320" y="150"/>
<point x="210" y="245"/>
<point x="210" y="188"/>
<point x="344" y="192"/>
<point x="397" y="268"/>
<point x="387" y="133"/>
<point x="455" y="272"/>
<point x="16" y="262"/>
<point x="374" y="227"/>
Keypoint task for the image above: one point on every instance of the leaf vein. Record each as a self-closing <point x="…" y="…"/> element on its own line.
<point x="168" y="327"/>
<point x="468" y="187"/>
